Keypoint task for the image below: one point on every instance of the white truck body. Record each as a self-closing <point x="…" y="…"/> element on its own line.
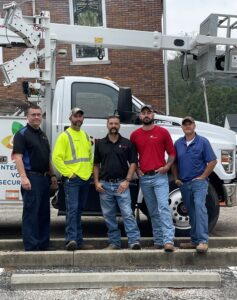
<point x="9" y="177"/>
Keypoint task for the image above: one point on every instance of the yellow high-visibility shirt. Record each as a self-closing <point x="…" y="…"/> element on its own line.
<point x="72" y="154"/>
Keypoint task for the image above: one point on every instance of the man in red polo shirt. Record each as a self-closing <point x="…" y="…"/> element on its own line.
<point x="152" y="142"/>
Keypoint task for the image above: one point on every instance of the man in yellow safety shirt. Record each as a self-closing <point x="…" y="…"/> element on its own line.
<point x="72" y="157"/>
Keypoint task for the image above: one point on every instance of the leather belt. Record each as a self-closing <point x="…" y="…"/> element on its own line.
<point x="114" y="180"/>
<point x="37" y="173"/>
<point x="151" y="173"/>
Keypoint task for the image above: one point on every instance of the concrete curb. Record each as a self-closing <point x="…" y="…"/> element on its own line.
<point x="108" y="280"/>
<point x="36" y="259"/>
<point x="214" y="258"/>
<point x="100" y="243"/>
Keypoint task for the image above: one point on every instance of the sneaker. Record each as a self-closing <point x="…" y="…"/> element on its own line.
<point x="169" y="247"/>
<point x="112" y="247"/>
<point x="71" y="245"/>
<point x="202" y="248"/>
<point x="85" y="247"/>
<point x="135" y="246"/>
<point x="157" y="247"/>
<point x="188" y="245"/>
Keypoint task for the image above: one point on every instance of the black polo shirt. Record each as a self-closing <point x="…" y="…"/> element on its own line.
<point x="34" y="146"/>
<point x="114" y="157"/>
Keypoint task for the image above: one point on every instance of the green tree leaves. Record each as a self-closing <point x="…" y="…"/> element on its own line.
<point x="186" y="96"/>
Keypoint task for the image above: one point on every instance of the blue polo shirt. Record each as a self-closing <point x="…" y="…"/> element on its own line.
<point x="193" y="159"/>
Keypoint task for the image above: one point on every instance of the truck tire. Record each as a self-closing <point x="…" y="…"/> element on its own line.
<point x="179" y="212"/>
<point x="213" y="207"/>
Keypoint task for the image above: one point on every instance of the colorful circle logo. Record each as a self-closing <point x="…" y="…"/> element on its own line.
<point x="8" y="140"/>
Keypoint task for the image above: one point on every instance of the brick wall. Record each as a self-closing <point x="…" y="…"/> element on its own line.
<point x="141" y="70"/>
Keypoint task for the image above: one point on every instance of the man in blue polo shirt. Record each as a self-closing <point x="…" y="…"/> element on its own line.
<point x="195" y="160"/>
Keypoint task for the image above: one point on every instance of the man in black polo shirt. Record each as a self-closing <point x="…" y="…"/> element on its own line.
<point x="114" y="164"/>
<point x="32" y="156"/>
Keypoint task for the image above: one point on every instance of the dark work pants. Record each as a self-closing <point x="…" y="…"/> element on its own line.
<point x="36" y="213"/>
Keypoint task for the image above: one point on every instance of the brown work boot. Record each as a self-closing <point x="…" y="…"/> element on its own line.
<point x="86" y="247"/>
<point x="169" y="247"/>
<point x="112" y="247"/>
<point x="188" y="245"/>
<point x="202" y="248"/>
<point x="135" y="246"/>
<point x="71" y="245"/>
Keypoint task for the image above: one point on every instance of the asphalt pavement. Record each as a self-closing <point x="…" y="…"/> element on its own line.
<point x="10" y="222"/>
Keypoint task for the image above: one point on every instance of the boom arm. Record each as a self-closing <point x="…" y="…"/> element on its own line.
<point x="29" y="31"/>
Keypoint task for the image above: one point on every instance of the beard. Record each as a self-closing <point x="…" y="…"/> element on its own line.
<point x="77" y="123"/>
<point x="113" y="130"/>
<point x="147" y="121"/>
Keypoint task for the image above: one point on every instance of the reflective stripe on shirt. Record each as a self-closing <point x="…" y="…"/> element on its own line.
<point x="75" y="159"/>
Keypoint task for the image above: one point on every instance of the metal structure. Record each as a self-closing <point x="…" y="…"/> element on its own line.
<point x="18" y="30"/>
<point x="213" y="60"/>
<point x="40" y="37"/>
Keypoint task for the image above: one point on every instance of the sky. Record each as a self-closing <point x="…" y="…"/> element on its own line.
<point x="185" y="16"/>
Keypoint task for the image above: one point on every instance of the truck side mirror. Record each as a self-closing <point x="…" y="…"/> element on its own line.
<point x="125" y="106"/>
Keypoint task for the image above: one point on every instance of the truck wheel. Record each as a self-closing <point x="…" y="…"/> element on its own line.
<point x="213" y="207"/>
<point x="179" y="212"/>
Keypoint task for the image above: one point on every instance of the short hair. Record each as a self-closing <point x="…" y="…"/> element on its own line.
<point x="32" y="106"/>
<point x="113" y="117"/>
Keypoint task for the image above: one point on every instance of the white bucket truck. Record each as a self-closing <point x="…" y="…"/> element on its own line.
<point x="99" y="98"/>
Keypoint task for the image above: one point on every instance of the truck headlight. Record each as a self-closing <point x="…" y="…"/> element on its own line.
<point x="227" y="160"/>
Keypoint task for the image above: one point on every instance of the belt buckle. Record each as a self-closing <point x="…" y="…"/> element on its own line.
<point x="112" y="180"/>
<point x="115" y="180"/>
<point x="151" y="173"/>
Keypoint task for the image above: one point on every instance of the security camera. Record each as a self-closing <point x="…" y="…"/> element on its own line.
<point x="62" y="52"/>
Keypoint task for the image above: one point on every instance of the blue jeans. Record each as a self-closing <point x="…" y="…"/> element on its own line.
<point x="76" y="193"/>
<point x="194" y="196"/>
<point x="155" y="190"/>
<point x="36" y="213"/>
<point x="109" y="201"/>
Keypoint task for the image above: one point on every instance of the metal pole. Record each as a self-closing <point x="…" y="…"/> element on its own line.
<point x="205" y="98"/>
<point x="167" y="108"/>
<point x="33" y="7"/>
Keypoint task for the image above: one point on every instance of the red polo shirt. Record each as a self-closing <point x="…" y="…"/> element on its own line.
<point x="151" y="146"/>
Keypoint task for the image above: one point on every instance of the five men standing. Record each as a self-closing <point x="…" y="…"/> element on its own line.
<point x="115" y="160"/>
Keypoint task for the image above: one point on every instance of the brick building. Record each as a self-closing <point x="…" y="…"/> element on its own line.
<point x="140" y="70"/>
